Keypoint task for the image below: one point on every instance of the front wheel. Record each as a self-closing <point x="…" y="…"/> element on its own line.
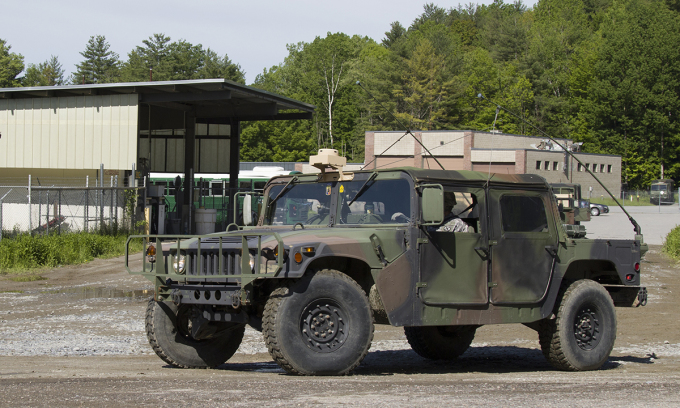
<point x="594" y="211"/>
<point x="320" y="325"/>
<point x="582" y="335"/>
<point x="167" y="328"/>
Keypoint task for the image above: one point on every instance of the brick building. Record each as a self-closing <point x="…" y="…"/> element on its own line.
<point x="496" y="153"/>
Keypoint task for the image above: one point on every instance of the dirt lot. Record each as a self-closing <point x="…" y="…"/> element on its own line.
<point x="77" y="339"/>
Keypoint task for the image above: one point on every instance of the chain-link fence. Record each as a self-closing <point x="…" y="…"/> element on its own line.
<point x="39" y="209"/>
<point x="632" y="197"/>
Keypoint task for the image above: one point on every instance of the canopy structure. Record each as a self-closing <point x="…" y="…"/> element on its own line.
<point x="159" y="106"/>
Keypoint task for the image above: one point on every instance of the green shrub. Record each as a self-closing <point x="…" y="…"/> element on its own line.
<point x="26" y="252"/>
<point x="671" y="245"/>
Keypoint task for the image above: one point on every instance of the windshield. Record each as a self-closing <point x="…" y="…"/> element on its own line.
<point x="380" y="202"/>
<point x="659" y="187"/>
<point x="308" y="204"/>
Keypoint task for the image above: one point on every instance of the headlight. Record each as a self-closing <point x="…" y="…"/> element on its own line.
<point x="252" y="261"/>
<point x="151" y="253"/>
<point x="178" y="262"/>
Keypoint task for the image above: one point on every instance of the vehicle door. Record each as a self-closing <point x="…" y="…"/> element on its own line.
<point x="453" y="265"/>
<point x="522" y="243"/>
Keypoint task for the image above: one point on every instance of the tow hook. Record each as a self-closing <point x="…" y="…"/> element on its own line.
<point x="642" y="297"/>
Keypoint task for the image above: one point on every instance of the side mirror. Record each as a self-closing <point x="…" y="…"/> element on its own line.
<point x="432" y="204"/>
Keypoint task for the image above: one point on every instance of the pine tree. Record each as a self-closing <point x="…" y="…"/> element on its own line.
<point x="11" y="65"/>
<point x="48" y="73"/>
<point x="101" y="65"/>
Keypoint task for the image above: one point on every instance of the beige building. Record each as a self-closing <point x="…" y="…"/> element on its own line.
<point x="496" y="153"/>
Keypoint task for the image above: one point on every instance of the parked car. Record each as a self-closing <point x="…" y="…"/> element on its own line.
<point x="597" y="209"/>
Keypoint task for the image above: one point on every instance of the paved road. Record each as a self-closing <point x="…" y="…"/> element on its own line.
<point x="656" y="223"/>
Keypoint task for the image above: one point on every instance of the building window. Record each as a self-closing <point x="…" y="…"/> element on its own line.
<point x="602" y="168"/>
<point x="580" y="167"/>
<point x="609" y="168"/>
<point x="587" y="166"/>
<point x="594" y="168"/>
<point x="547" y="165"/>
<point x="555" y="166"/>
<point x="538" y="164"/>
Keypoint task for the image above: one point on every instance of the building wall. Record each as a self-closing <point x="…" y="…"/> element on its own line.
<point x="611" y="176"/>
<point x="486" y="140"/>
<point x="79" y="132"/>
<point x="495" y="152"/>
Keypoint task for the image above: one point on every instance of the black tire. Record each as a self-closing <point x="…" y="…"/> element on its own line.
<point x="582" y="335"/>
<point x="594" y="211"/>
<point x="174" y="345"/>
<point x="440" y="342"/>
<point x="320" y="325"/>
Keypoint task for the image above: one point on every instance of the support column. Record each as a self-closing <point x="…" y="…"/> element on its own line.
<point x="234" y="164"/>
<point x="189" y="152"/>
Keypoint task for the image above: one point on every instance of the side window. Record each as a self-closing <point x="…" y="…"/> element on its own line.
<point x="462" y="205"/>
<point x="522" y="213"/>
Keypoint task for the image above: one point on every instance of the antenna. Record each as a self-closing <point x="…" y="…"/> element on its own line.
<point x="408" y="131"/>
<point x="636" y="226"/>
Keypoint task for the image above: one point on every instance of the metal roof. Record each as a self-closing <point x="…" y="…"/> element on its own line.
<point x="211" y="100"/>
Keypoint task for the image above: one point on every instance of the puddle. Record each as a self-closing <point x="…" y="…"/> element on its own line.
<point x="100" y="293"/>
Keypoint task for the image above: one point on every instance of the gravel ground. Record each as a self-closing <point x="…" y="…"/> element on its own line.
<point x="78" y="339"/>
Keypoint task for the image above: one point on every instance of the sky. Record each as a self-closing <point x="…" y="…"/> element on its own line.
<point x="252" y="33"/>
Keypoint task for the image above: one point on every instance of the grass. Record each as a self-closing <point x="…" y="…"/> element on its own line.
<point x="644" y="201"/>
<point x="24" y="254"/>
<point x="27" y="278"/>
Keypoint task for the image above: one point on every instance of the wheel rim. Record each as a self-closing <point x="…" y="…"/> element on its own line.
<point x="587" y="328"/>
<point x="323" y="326"/>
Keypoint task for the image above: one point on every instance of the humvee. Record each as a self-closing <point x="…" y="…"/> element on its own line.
<point x="333" y="254"/>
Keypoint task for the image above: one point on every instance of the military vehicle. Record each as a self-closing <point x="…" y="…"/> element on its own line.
<point x="661" y="192"/>
<point x="573" y="208"/>
<point x="334" y="253"/>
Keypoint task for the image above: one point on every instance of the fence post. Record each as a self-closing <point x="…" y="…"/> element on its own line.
<point x="116" y="205"/>
<point x="48" y="212"/>
<point x="101" y="199"/>
<point x="3" y="197"/>
<point x="30" y="220"/>
<point x="58" y="217"/>
<point x="111" y="207"/>
<point x="87" y="202"/>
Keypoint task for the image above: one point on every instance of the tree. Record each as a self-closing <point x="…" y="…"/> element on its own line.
<point x="629" y="98"/>
<point x="11" y="65"/>
<point x="148" y="62"/>
<point x="48" y="73"/>
<point x="559" y="27"/>
<point x="101" y="65"/>
<point x="425" y="90"/>
<point x="221" y="67"/>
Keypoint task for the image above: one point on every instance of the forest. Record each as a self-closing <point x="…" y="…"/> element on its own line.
<point x="601" y="72"/>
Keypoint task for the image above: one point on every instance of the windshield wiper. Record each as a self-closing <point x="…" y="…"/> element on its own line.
<point x="285" y="188"/>
<point x="363" y="188"/>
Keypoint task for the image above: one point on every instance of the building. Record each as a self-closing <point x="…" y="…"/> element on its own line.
<point x="495" y="153"/>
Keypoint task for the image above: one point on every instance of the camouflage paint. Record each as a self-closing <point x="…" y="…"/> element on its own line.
<point x="430" y="278"/>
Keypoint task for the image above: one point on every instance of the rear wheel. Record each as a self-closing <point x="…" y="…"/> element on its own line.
<point x="320" y="325"/>
<point x="440" y="342"/>
<point x="582" y="335"/>
<point x="169" y="335"/>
